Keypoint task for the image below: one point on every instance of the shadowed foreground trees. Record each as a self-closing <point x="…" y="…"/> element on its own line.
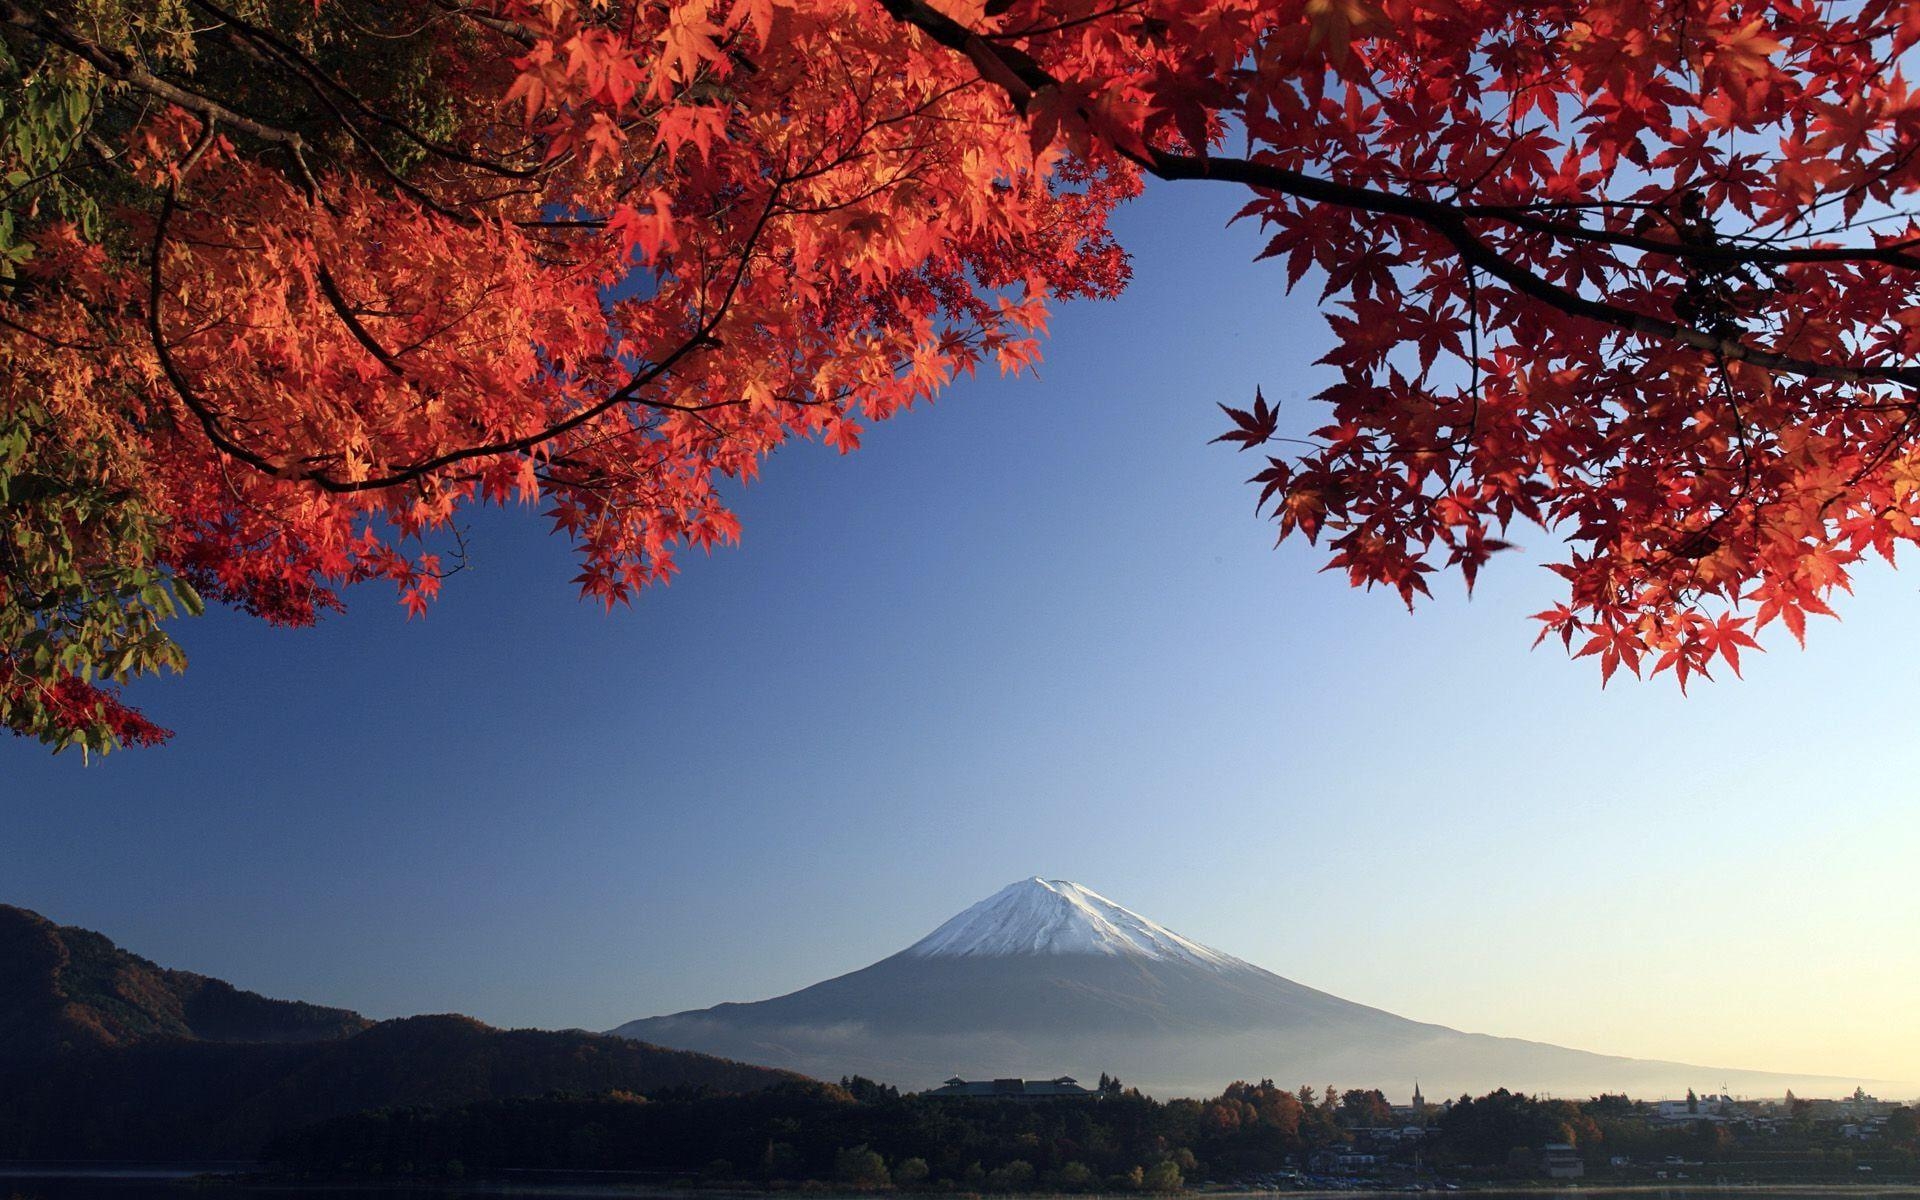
<point x="801" y="1131"/>
<point x="798" y="1132"/>
<point x="285" y="286"/>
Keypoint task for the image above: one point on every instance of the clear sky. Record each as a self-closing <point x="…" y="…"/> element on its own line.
<point x="1034" y="628"/>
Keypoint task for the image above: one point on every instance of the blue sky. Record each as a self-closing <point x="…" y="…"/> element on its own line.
<point x="1034" y="628"/>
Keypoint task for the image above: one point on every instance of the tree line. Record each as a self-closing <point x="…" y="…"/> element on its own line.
<point x="860" y="1134"/>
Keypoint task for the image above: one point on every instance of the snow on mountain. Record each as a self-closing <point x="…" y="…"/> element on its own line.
<point x="1055" y="916"/>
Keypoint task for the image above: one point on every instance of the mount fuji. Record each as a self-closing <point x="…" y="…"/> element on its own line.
<point x="1047" y="976"/>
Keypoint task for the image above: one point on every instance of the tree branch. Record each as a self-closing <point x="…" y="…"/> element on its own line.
<point x="117" y="65"/>
<point x="1020" y="76"/>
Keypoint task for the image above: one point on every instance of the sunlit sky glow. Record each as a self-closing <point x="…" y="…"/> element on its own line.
<point x="1032" y="629"/>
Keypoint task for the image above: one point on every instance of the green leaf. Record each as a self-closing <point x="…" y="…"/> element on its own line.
<point x="189" y="599"/>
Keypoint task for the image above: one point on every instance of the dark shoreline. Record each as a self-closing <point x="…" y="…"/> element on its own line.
<point x="241" y="1177"/>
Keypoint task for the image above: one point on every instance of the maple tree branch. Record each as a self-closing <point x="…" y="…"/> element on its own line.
<point x="210" y="422"/>
<point x="1476" y="251"/>
<point x="1072" y="23"/>
<point x="318" y="81"/>
<point x="36" y="335"/>
<point x="1021" y="77"/>
<point x="117" y="65"/>
<point x="511" y="30"/>
<point x="700" y="338"/>
<point x="330" y="288"/>
<point x="124" y="67"/>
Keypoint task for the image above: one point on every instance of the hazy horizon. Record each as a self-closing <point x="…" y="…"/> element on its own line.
<point x="1807" y="1083"/>
<point x="1034" y="628"/>
<point x="1037" y="979"/>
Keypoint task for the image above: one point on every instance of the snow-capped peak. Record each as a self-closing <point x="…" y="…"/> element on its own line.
<point x="1054" y="916"/>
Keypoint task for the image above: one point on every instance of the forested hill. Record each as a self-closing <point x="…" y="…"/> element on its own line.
<point x="64" y="988"/>
<point x="106" y="1055"/>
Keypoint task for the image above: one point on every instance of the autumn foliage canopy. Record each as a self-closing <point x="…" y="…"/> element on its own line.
<point x="285" y="284"/>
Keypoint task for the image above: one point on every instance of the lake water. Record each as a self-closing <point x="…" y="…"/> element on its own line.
<point x="222" y="1181"/>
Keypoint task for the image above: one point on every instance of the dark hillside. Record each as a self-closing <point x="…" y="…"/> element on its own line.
<point x="106" y="1055"/>
<point x="63" y="987"/>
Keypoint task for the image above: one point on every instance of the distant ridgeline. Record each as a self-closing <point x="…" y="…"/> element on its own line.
<point x="106" y="1055"/>
<point x="862" y="1135"/>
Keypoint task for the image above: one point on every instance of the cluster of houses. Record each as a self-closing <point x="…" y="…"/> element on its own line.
<point x="1858" y="1117"/>
<point x="1378" y="1148"/>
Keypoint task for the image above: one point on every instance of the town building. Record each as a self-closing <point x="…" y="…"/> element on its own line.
<point x="1712" y="1109"/>
<point x="1344" y="1161"/>
<point x="1414" y="1112"/>
<point x="1561" y="1161"/>
<point x="1063" y="1088"/>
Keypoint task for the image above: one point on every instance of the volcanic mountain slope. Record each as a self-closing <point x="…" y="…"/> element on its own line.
<point x="106" y="1055"/>
<point x="1047" y="976"/>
